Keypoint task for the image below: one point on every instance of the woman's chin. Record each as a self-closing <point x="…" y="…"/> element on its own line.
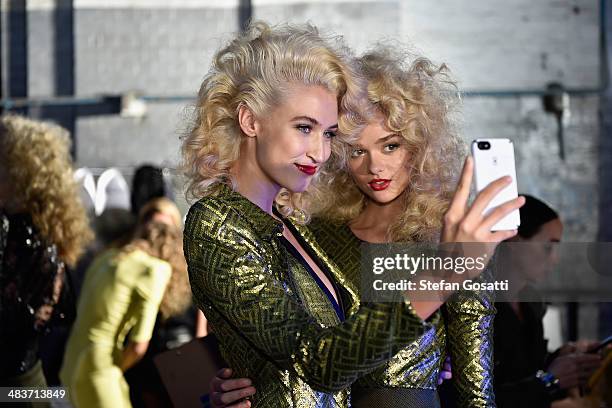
<point x="298" y="187"/>
<point x="381" y="199"/>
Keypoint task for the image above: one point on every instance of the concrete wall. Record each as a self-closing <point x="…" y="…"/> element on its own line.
<point x="163" y="48"/>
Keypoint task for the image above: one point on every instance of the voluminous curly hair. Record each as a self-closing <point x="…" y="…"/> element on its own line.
<point x="255" y="69"/>
<point x="36" y="156"/>
<point x="417" y="100"/>
<point x="164" y="241"/>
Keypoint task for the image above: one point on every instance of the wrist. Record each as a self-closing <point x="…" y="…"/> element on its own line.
<point x="551" y="384"/>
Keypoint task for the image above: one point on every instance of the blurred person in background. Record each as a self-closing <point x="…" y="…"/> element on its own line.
<point x="526" y="374"/>
<point x="43" y="231"/>
<point x="118" y="306"/>
<point x="148" y="183"/>
<point x="174" y="325"/>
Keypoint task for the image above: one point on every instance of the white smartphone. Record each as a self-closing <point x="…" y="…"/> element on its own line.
<point x="494" y="158"/>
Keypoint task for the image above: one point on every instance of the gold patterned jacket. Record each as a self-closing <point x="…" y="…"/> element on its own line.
<point x="465" y="332"/>
<point x="275" y="324"/>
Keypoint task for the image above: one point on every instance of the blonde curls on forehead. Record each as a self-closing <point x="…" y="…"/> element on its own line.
<point x="255" y="69"/>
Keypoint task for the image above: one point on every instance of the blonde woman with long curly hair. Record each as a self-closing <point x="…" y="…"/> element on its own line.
<point x="123" y="292"/>
<point x="286" y="316"/>
<point x="396" y="183"/>
<point x="43" y="230"/>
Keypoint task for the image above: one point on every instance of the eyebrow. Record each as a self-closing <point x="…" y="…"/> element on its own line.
<point x="386" y="138"/>
<point x="313" y="121"/>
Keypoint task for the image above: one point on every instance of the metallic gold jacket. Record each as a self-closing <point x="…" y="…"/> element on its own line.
<point x="465" y="332"/>
<point x="274" y="323"/>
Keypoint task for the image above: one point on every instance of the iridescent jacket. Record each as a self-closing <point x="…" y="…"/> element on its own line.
<point x="465" y="332"/>
<point x="274" y="322"/>
<point x="30" y="272"/>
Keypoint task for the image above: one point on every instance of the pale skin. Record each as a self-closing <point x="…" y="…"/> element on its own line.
<point x="295" y="133"/>
<point x="462" y="223"/>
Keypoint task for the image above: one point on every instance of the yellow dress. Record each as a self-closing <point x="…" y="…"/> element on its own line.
<point x="120" y="297"/>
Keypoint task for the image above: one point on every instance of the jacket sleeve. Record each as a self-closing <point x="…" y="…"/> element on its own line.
<point x="469" y="326"/>
<point x="236" y="286"/>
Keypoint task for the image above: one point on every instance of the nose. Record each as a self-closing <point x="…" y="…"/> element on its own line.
<point x="319" y="149"/>
<point x="554" y="254"/>
<point x="375" y="163"/>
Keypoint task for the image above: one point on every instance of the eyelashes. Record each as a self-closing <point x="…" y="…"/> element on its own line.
<point x="330" y="134"/>
<point x="391" y="147"/>
<point x="356" y="152"/>
<point x="388" y="148"/>
<point x="307" y="129"/>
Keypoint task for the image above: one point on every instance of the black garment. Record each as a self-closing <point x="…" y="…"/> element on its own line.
<point x="29" y="267"/>
<point x="520" y="350"/>
<point x="143" y="378"/>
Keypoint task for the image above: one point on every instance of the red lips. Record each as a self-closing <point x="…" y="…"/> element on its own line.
<point x="310" y="170"/>
<point x="379" y="184"/>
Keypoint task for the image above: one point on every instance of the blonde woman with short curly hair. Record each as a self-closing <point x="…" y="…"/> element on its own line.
<point x="43" y="230"/>
<point x="252" y="75"/>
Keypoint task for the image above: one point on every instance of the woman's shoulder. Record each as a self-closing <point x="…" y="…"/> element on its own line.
<point x="330" y="230"/>
<point x="19" y="235"/>
<point x="149" y="261"/>
<point x="142" y="269"/>
<point x="230" y="219"/>
<point x="212" y="215"/>
<point x="17" y="222"/>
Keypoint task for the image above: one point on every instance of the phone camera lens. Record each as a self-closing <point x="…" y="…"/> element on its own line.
<point x="484" y="145"/>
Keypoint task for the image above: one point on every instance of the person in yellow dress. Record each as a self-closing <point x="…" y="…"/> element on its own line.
<point x="119" y="301"/>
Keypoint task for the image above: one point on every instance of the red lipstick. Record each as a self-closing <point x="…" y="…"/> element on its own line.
<point x="379" y="184"/>
<point x="310" y="170"/>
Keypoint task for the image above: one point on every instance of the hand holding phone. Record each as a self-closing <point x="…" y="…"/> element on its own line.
<point x="494" y="158"/>
<point x="603" y="344"/>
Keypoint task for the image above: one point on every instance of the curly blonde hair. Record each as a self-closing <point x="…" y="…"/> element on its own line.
<point x="39" y="167"/>
<point x="417" y="100"/>
<point x="165" y="242"/>
<point x="254" y="70"/>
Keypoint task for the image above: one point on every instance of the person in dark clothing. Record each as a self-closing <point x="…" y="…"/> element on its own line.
<point x="525" y="374"/>
<point x="43" y="231"/>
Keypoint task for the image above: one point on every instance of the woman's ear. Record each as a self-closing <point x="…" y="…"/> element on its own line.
<point x="247" y="120"/>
